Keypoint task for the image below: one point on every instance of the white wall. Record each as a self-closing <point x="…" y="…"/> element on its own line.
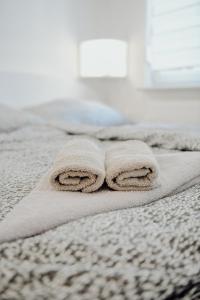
<point x="38" y="57"/>
<point x="38" y="51"/>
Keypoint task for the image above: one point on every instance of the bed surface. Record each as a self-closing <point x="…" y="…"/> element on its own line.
<point x="149" y="252"/>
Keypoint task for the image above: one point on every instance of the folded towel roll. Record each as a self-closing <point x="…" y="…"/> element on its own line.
<point x="79" y="167"/>
<point x="131" y="166"/>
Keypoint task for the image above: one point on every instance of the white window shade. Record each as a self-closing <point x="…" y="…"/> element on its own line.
<point x="103" y="58"/>
<point x="173" y="44"/>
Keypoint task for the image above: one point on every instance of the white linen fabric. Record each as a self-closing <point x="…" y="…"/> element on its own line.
<point x="12" y="119"/>
<point x="77" y="111"/>
<point x="46" y="208"/>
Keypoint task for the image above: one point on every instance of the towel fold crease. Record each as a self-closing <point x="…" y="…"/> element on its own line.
<point x="78" y="167"/>
<point x="131" y="166"/>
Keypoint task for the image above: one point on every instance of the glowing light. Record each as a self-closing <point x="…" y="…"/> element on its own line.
<point x="103" y="58"/>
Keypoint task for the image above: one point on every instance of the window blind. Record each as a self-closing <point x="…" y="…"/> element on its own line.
<point x="173" y="44"/>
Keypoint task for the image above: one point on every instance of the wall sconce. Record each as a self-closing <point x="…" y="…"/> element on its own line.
<point x="103" y="58"/>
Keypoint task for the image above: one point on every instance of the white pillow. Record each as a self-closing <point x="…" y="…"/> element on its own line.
<point x="79" y="112"/>
<point x="11" y="119"/>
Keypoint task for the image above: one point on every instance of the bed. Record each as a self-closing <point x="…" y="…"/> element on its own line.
<point x="147" y="252"/>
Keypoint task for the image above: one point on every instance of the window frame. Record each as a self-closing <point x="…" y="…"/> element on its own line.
<point x="153" y="79"/>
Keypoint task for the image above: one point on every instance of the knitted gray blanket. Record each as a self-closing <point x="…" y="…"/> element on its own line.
<point x="150" y="252"/>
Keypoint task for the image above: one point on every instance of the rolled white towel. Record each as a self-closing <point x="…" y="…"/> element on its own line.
<point x="131" y="166"/>
<point x="79" y="167"/>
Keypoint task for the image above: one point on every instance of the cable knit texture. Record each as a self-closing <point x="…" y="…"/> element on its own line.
<point x="143" y="253"/>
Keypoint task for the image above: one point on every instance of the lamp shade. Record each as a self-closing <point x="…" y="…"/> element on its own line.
<point x="103" y="58"/>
